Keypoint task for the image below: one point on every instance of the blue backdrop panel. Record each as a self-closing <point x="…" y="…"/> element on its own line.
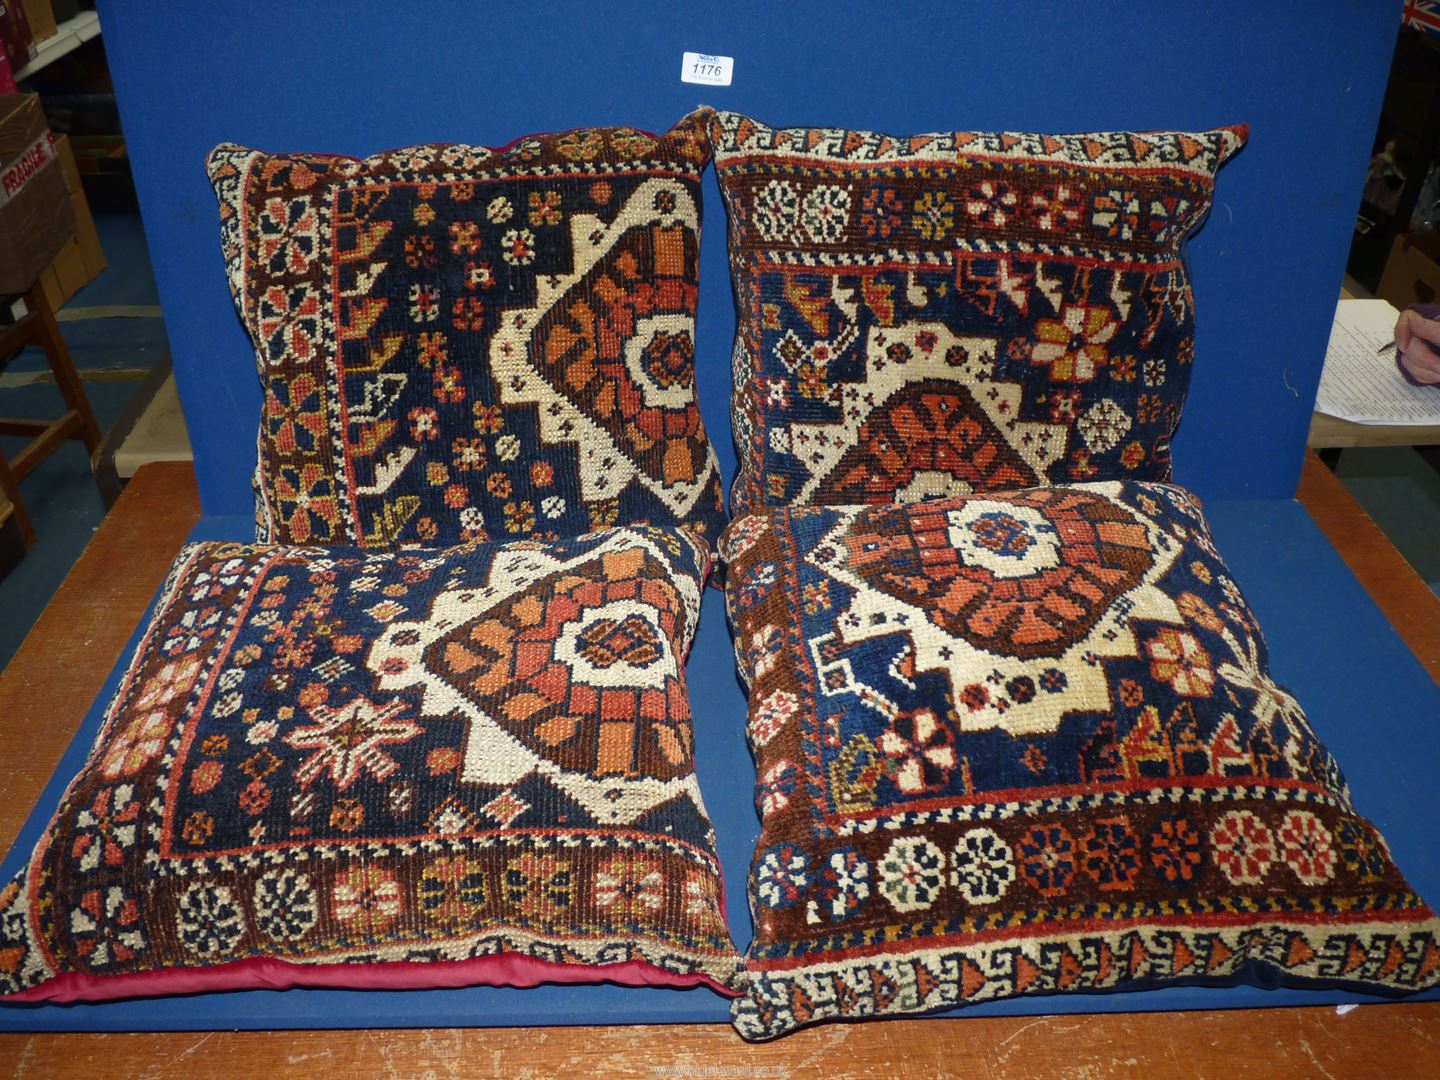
<point x="1368" y="698"/>
<point x="358" y="78"/>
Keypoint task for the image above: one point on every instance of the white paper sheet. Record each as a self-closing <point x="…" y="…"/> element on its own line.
<point x="1360" y="381"/>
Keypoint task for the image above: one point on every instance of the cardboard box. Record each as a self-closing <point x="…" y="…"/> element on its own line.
<point x="69" y="168"/>
<point x="85" y="234"/>
<point x="1411" y="276"/>
<point x="81" y="259"/>
<point x="41" y="17"/>
<point x="87" y="237"/>
<point x="65" y="276"/>
<point x="16" y="40"/>
<point x="36" y="219"/>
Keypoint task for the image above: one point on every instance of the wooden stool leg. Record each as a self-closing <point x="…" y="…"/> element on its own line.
<point x="66" y="377"/>
<point x="11" y="490"/>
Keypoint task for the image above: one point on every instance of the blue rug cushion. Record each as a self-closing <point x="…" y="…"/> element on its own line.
<point x="334" y="767"/>
<point x="937" y="314"/>
<point x="458" y="342"/>
<point x="1028" y="743"/>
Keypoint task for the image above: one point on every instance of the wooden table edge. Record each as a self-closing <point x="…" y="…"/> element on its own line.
<point x="147" y="527"/>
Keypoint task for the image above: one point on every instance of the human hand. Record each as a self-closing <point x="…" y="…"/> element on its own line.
<point x="1418" y="339"/>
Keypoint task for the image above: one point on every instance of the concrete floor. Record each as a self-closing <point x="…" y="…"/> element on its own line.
<point x="1401" y="492"/>
<point x="113" y="355"/>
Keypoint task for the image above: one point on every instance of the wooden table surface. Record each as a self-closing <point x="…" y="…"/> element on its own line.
<point x="82" y="632"/>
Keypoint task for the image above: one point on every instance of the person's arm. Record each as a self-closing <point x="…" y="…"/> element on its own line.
<point x="1417" y="337"/>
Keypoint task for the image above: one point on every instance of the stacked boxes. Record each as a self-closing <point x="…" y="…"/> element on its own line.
<point x="80" y="259"/>
<point x="46" y="231"/>
<point x="36" y="219"/>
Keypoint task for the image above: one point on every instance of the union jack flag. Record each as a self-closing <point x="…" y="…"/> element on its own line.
<point x="1423" y="15"/>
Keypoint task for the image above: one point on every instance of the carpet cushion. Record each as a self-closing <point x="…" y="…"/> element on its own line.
<point x="458" y="342"/>
<point x="332" y="767"/>
<point x="948" y="313"/>
<point x="1029" y="743"/>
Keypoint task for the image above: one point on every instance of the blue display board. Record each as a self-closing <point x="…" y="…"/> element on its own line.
<point x="356" y="79"/>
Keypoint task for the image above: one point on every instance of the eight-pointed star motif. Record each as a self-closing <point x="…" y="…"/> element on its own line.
<point x="347" y="740"/>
